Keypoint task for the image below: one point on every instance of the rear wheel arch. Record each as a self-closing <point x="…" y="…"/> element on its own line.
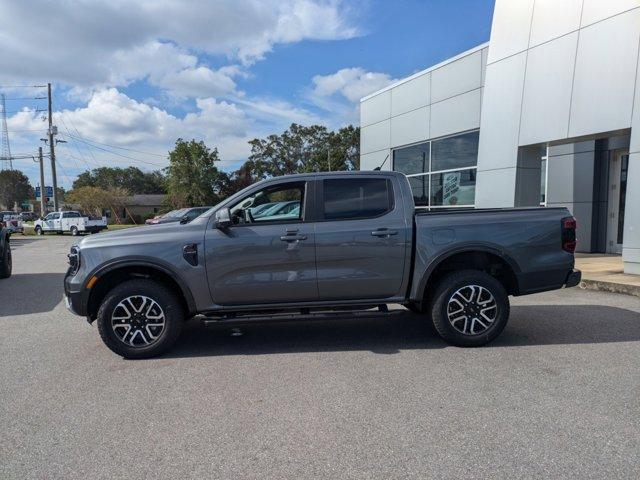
<point x="113" y="275"/>
<point x="485" y="259"/>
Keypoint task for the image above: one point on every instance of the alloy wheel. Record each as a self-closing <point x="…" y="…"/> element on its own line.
<point x="472" y="309"/>
<point x="138" y="321"/>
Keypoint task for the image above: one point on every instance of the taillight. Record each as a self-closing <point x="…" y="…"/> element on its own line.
<point x="569" y="226"/>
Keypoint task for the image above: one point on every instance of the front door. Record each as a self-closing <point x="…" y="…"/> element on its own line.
<point x="268" y="254"/>
<point x="362" y="240"/>
<point x="618" y="169"/>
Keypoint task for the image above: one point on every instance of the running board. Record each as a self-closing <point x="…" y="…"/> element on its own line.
<point x="303" y="315"/>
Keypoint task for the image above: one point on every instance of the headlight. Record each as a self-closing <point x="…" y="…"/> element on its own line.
<point x="74" y="260"/>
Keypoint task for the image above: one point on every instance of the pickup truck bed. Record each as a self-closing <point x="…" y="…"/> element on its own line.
<point x="353" y="240"/>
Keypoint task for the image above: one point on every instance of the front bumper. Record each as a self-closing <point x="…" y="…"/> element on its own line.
<point x="76" y="301"/>
<point x="573" y="278"/>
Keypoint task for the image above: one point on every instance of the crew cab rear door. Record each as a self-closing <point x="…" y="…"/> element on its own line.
<point x="362" y="238"/>
<point x="268" y="254"/>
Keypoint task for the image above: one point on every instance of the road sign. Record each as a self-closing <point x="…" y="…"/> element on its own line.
<point x="48" y="192"/>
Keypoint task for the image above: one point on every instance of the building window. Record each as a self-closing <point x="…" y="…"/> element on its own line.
<point x="441" y="172"/>
<point x="544" y="174"/>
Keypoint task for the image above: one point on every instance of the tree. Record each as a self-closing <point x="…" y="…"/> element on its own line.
<point x="94" y="199"/>
<point x="192" y="177"/>
<point x="301" y="149"/>
<point x="14" y="187"/>
<point x="131" y="179"/>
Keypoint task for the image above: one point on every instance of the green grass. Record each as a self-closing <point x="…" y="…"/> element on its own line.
<point x="121" y="226"/>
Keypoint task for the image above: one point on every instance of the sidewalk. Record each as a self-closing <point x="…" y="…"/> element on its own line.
<point x="605" y="272"/>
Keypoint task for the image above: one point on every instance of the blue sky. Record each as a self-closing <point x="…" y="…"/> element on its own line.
<point x="129" y="81"/>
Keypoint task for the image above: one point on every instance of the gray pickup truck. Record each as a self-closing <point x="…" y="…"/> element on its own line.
<point x="312" y="244"/>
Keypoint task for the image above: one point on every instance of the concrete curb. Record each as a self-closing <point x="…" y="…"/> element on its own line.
<point x="613" y="287"/>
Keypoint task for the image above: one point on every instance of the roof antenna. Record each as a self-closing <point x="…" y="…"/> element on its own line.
<point x="382" y="164"/>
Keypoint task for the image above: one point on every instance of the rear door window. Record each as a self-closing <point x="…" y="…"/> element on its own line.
<point x="356" y="198"/>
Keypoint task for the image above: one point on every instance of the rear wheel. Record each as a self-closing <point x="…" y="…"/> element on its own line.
<point x="469" y="308"/>
<point x="140" y="319"/>
<point x="74" y="231"/>
<point x="6" y="262"/>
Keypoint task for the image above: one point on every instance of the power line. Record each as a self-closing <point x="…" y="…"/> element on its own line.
<point x="115" y="146"/>
<point x="23" y="86"/>
<point x="120" y="154"/>
<point x="27" y="98"/>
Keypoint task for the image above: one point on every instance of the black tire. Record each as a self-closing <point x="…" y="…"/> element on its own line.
<point x="39" y="230"/>
<point x="440" y="305"/>
<point x="6" y="263"/>
<point x="74" y="231"/>
<point x="165" y="298"/>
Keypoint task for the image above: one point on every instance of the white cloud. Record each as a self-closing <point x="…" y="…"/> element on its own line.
<point x="351" y="83"/>
<point x="111" y="43"/>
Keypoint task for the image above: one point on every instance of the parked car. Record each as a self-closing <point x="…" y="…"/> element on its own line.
<point x="12" y="221"/>
<point x="6" y="263"/>
<point x="28" y="216"/>
<point x="183" y="215"/>
<point x="71" y="221"/>
<point x="357" y="242"/>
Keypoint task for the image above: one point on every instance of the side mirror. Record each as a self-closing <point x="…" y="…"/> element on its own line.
<point x="223" y="219"/>
<point x="184" y="220"/>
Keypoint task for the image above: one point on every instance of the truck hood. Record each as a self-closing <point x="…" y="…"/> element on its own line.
<point x="142" y="234"/>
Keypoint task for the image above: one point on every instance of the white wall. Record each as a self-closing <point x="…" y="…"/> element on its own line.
<point x="558" y="70"/>
<point x="442" y="100"/>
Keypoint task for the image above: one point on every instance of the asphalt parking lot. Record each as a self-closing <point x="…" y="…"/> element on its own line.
<point x="557" y="395"/>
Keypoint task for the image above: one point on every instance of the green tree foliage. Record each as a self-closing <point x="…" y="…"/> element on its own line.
<point x="131" y="179"/>
<point x="192" y="176"/>
<point x="301" y="149"/>
<point x="14" y="187"/>
<point x="94" y="200"/>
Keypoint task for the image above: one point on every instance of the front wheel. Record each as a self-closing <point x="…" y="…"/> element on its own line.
<point x="140" y="318"/>
<point x="470" y="308"/>
<point x="39" y="231"/>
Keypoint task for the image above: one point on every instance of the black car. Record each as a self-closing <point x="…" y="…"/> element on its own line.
<point x="5" y="252"/>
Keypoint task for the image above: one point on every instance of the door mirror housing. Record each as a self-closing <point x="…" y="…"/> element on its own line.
<point x="223" y="218"/>
<point x="184" y="219"/>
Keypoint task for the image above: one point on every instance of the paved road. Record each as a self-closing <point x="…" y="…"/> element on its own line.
<point x="556" y="396"/>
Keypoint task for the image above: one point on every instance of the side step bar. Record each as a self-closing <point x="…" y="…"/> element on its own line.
<point x="303" y="314"/>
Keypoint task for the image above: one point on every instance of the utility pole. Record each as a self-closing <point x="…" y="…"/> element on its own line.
<point x="52" y="152"/>
<point x="42" y="187"/>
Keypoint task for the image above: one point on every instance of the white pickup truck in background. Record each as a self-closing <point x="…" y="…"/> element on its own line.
<point x="73" y="222"/>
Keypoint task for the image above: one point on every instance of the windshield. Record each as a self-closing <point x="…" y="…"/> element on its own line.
<point x="176" y="213"/>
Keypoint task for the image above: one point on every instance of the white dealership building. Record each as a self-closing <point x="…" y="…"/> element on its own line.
<point x="547" y="112"/>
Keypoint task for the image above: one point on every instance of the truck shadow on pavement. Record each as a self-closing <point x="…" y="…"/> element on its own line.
<point x="28" y="293"/>
<point x="529" y="325"/>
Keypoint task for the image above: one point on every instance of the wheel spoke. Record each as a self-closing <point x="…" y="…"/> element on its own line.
<point x="473" y="304"/>
<point x="138" y="321"/>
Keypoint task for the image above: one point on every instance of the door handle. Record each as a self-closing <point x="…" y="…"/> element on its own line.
<point x="384" y="232"/>
<point x="292" y="238"/>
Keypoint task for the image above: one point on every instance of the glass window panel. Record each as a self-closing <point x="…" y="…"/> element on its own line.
<point x="356" y="198"/>
<point x="279" y="203"/>
<point x="543" y="181"/>
<point x="420" y="189"/>
<point x="453" y="188"/>
<point x="412" y="160"/>
<point x="455" y="152"/>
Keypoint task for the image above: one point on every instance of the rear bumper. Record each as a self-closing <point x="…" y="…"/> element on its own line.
<point x="573" y="278"/>
<point x="94" y="228"/>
